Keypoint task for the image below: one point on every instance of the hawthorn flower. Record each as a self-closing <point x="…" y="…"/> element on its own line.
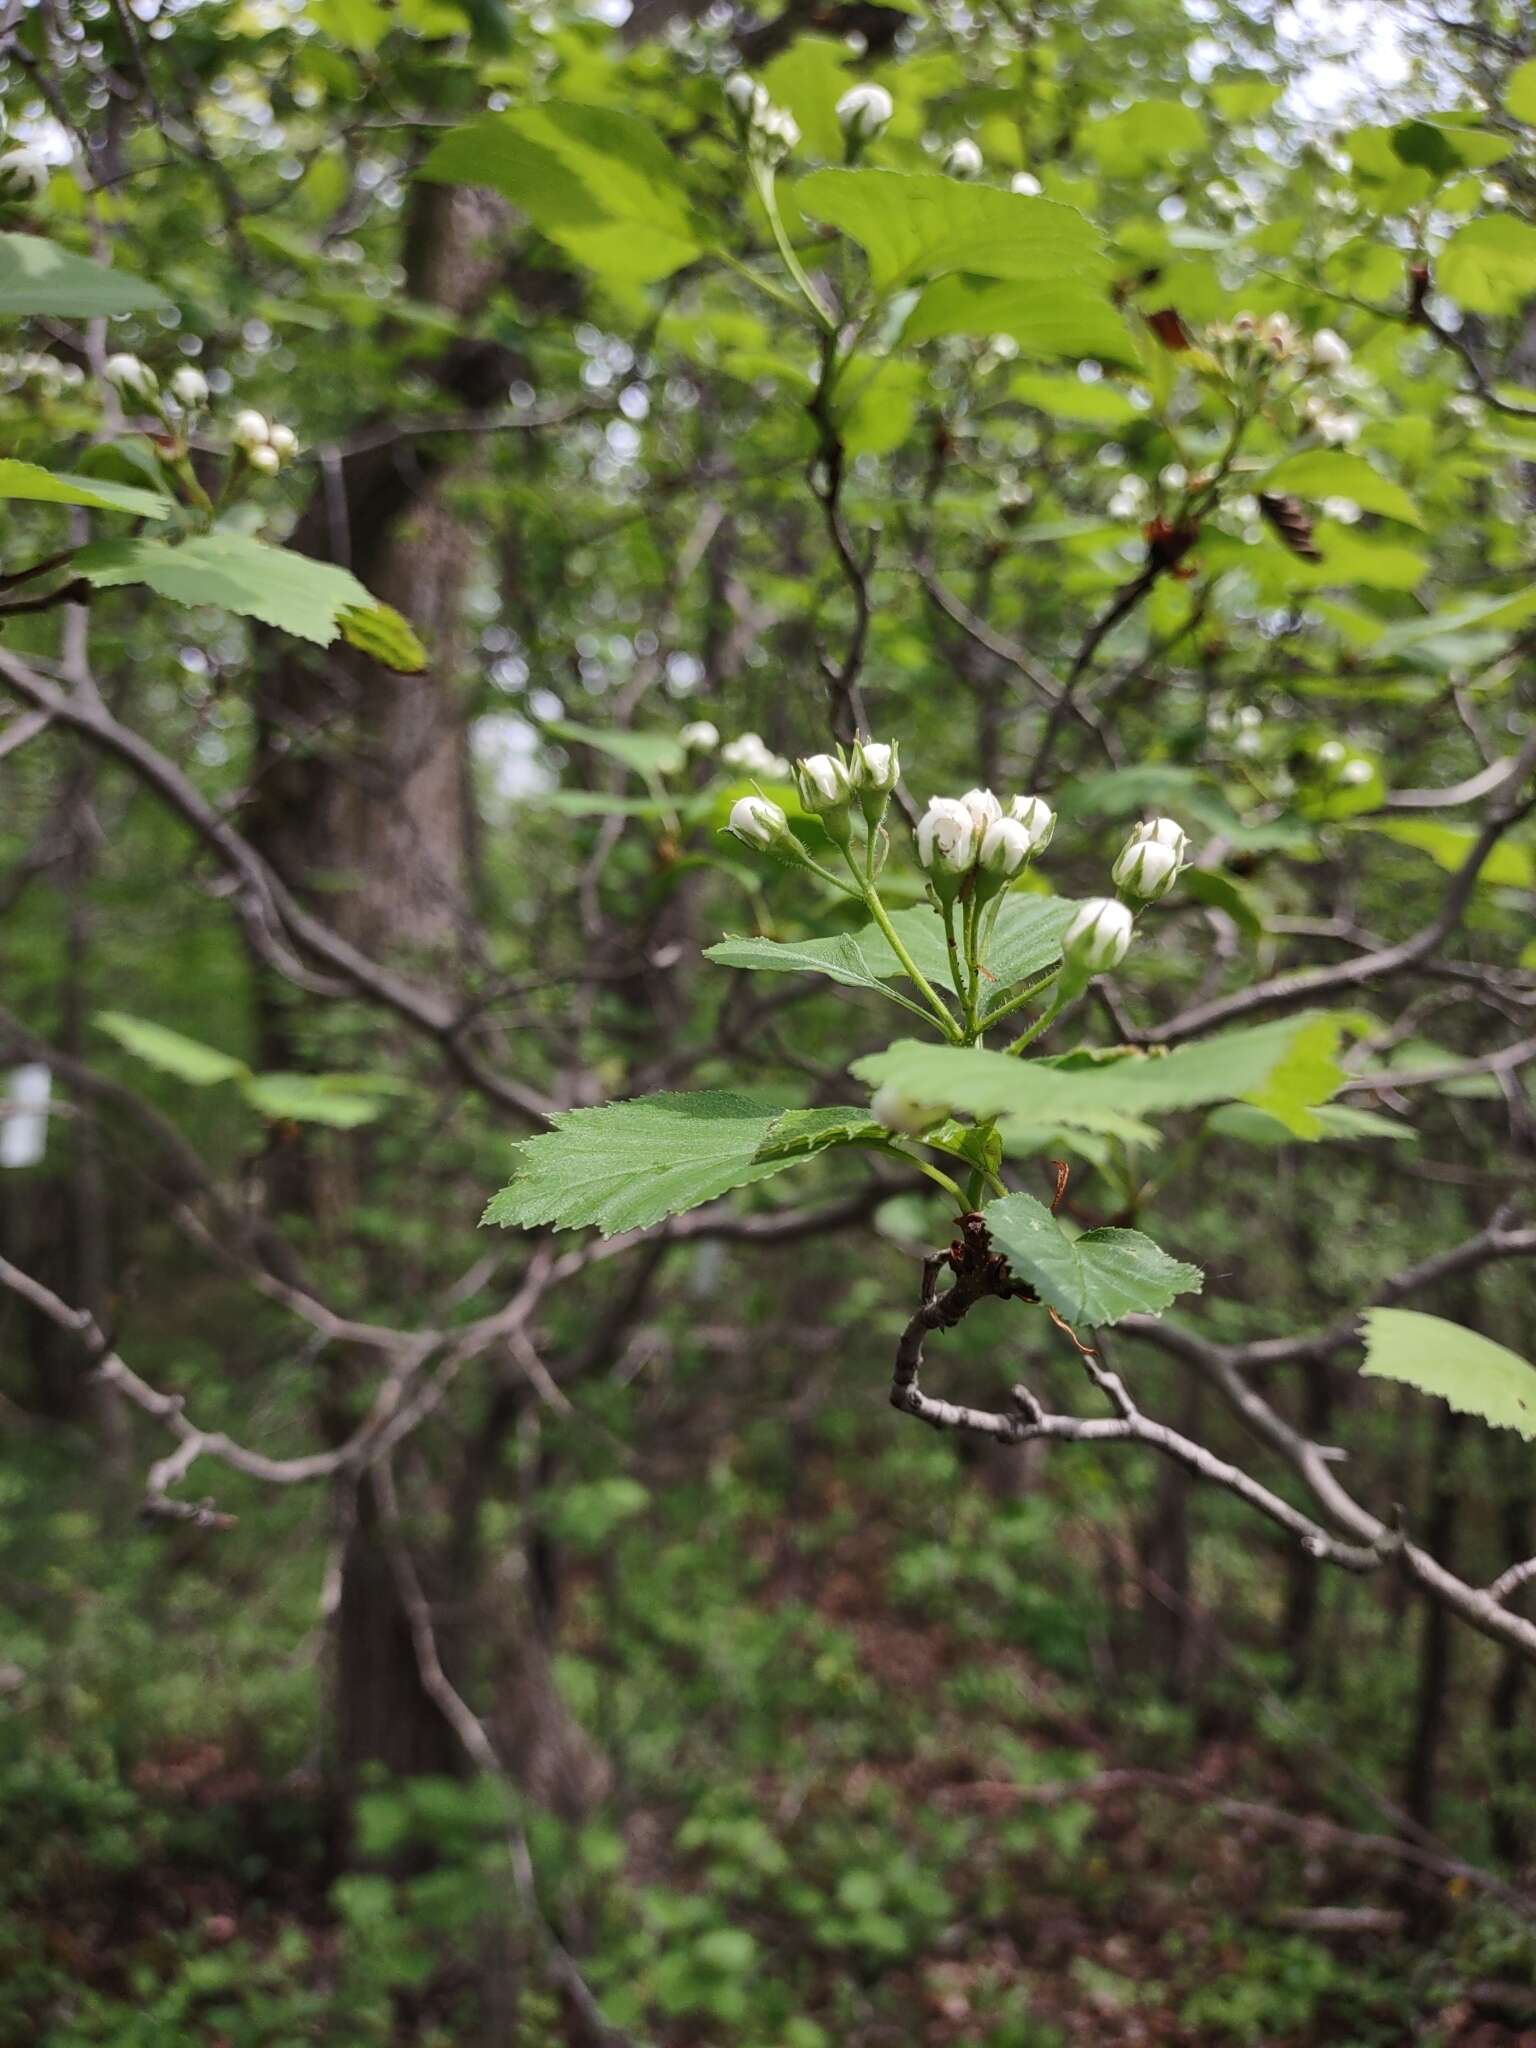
<point x="189" y="387"/>
<point x="778" y="132"/>
<point x="746" y="98"/>
<point x="1165" y="832"/>
<point x="283" y="442"/>
<point x="903" y="1113"/>
<point x="1025" y="183"/>
<point x="134" y="379"/>
<point x="1146" y="869"/>
<point x="1327" y="350"/>
<point x="758" y="821"/>
<point x="1036" y="817"/>
<point x="983" y="807"/>
<point x="1098" y="937"/>
<point x="1278" y="335"/>
<point x="249" y="430"/>
<point x="964" y="160"/>
<point x="823" y="782"/>
<point x="23" y="175"/>
<point x="874" y="764"/>
<point x="700" y="736"/>
<point x="946" y="837"/>
<point x="1005" y="848"/>
<point x="264" y="458"/>
<point x="863" y="112"/>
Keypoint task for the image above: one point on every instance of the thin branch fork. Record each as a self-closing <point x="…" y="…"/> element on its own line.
<point x="979" y="1274"/>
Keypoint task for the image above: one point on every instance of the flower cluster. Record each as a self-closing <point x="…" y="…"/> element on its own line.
<point x="262" y="444"/>
<point x="828" y="785"/>
<point x="768" y="131"/>
<point x="265" y="444"/>
<point x="52" y="376"/>
<point x="751" y="754"/>
<point x="977" y="834"/>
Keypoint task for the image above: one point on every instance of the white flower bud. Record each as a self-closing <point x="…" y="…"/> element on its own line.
<point x="1005" y="847"/>
<point x="946" y="837"/>
<point x="964" y="160"/>
<point x="1356" y="772"/>
<point x="758" y="821"/>
<point x="1164" y="832"/>
<point x="983" y="807"/>
<point x="875" y="765"/>
<point x="283" y="441"/>
<point x="23" y="174"/>
<point x="823" y="782"/>
<point x="1037" y="818"/>
<point x="1146" y="869"/>
<point x="747" y="99"/>
<point x="1329" y="351"/>
<point x="903" y="1113"/>
<point x="189" y="387"/>
<point x="778" y="130"/>
<point x="863" y="111"/>
<point x="248" y="430"/>
<point x="1099" y="936"/>
<point x="133" y="378"/>
<point x="700" y="737"/>
<point x="265" y="459"/>
<point x="1278" y="335"/>
<point x="1331" y="753"/>
<point x="1025" y="183"/>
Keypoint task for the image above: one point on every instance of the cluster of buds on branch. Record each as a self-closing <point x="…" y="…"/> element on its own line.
<point x="769" y="132"/>
<point x="257" y="446"/>
<point x="829" y="786"/>
<point x="977" y="838"/>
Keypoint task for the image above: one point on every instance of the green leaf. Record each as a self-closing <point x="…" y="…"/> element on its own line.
<point x="359" y="25"/>
<point x="54" y="487"/>
<point x="1334" y="473"/>
<point x="1285" y="1067"/>
<point x="1475" y="1375"/>
<point x="385" y="635"/>
<point x="914" y="225"/>
<point x="1489" y="266"/>
<point x="809" y="77"/>
<point x="629" y="1164"/>
<point x="600" y="183"/>
<point x="1025" y="941"/>
<point x="1093" y="1279"/>
<point x="1062" y="316"/>
<point x="1146" y="137"/>
<point x="1100" y="404"/>
<point x="1511" y="863"/>
<point x="340" y="1100"/>
<point x="158" y="1046"/>
<point x="1520" y="93"/>
<point x="275" y="585"/>
<point x="38" y="277"/>
<point x="1255" y="1127"/>
<point x="647" y="753"/>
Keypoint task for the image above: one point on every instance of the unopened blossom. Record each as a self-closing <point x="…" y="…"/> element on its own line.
<point x="700" y="736"/>
<point x="189" y="387"/>
<point x="758" y="821"/>
<point x="1005" y="848"/>
<point x="863" y="112"/>
<point x="23" y="174"/>
<point x="903" y="1113"/>
<point x="133" y="378"/>
<point x="1327" y="350"/>
<point x="946" y="837"/>
<point x="1037" y="818"/>
<point x="1099" y="936"/>
<point x="964" y="160"/>
<point x="874" y="764"/>
<point x="248" y="429"/>
<point x="1146" y="870"/>
<point x="983" y="807"/>
<point x="823" y="782"/>
<point x="1165" y="832"/>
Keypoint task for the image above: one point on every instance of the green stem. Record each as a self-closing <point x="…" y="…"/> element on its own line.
<point x="956" y="971"/>
<point x="765" y="285"/>
<point x="1041" y="1023"/>
<point x="933" y="1172"/>
<point x="786" y="250"/>
<point x="911" y="969"/>
<point x="1025" y="995"/>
